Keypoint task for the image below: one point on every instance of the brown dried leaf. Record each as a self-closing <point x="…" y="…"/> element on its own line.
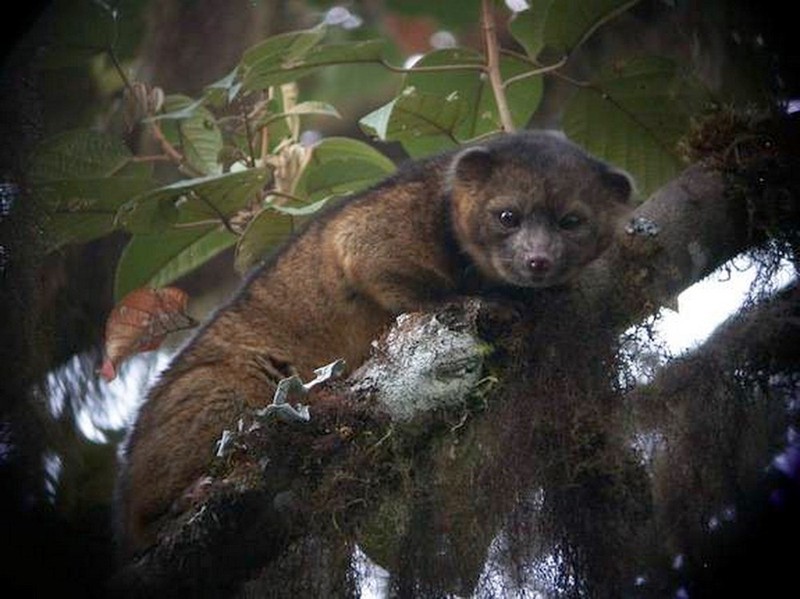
<point x="140" y="322"/>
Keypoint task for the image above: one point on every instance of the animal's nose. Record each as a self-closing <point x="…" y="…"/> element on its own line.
<point x="540" y="264"/>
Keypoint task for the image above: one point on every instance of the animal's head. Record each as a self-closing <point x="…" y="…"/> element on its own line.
<point x="532" y="209"/>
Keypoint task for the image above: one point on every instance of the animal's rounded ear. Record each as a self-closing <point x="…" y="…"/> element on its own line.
<point x="473" y="165"/>
<point x="620" y="183"/>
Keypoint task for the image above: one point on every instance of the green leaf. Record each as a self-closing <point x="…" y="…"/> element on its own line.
<point x="200" y="137"/>
<point x="178" y="107"/>
<point x="345" y="148"/>
<point x="268" y="229"/>
<point x="367" y="51"/>
<point x="424" y="122"/>
<point x="78" y="31"/>
<point x="192" y="200"/>
<point x="634" y="115"/>
<point x="570" y="23"/>
<point x="84" y="209"/>
<point x="62" y="228"/>
<point x="528" y="26"/>
<point x="340" y="165"/>
<point x="74" y="195"/>
<point x="270" y="67"/>
<point x="79" y="154"/>
<point x="275" y="54"/>
<point x="285" y="124"/>
<point x="229" y="85"/>
<point x="156" y="260"/>
<point x="304" y="210"/>
<point x="465" y="107"/>
<point x="284" y="47"/>
<point x="315" y="108"/>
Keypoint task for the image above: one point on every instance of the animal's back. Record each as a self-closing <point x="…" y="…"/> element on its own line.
<point x="523" y="211"/>
<point x="304" y="308"/>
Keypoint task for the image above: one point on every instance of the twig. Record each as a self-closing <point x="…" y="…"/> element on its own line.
<point x="539" y="71"/>
<point x="249" y="136"/>
<point x="264" y="143"/>
<point x="109" y="49"/>
<point x="120" y="71"/>
<point x="493" y="66"/>
<point x="168" y="148"/>
<point x="380" y="441"/>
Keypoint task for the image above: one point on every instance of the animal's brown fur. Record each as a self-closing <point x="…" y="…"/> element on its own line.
<point x="438" y="229"/>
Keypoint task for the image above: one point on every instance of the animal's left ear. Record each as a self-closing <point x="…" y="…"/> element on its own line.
<point x="620" y="183"/>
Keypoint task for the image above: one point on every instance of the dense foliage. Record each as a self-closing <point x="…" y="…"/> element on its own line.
<point x="188" y="177"/>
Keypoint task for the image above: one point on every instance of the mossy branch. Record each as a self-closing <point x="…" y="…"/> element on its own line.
<point x="699" y="224"/>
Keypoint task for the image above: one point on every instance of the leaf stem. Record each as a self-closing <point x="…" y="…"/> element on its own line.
<point x="168" y="148"/>
<point x="493" y="65"/>
<point x="249" y="137"/>
<point x="173" y="154"/>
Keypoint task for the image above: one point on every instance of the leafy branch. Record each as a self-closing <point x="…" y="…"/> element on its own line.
<point x="237" y="146"/>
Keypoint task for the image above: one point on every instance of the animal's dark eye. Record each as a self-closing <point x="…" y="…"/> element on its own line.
<point x="570" y="221"/>
<point x="508" y="218"/>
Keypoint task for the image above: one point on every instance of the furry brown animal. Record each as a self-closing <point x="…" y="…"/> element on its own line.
<point x="520" y="211"/>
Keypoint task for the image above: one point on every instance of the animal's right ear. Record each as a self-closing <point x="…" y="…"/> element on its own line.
<point x="473" y="165"/>
<point x="621" y="183"/>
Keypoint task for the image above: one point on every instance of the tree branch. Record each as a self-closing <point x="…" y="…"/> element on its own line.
<point x="493" y="65"/>
<point x="538" y="71"/>
<point x="697" y="228"/>
<point x="378" y="440"/>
